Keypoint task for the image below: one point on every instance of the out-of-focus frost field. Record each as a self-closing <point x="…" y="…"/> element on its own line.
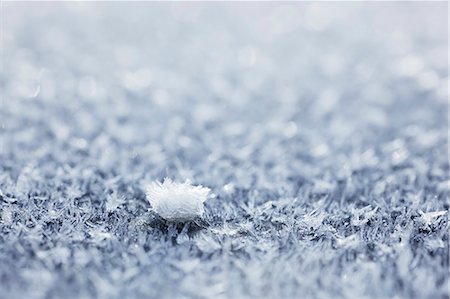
<point x="320" y="128"/>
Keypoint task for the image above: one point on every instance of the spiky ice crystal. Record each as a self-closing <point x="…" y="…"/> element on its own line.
<point x="179" y="202"/>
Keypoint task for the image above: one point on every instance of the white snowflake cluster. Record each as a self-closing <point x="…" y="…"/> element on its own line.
<point x="179" y="202"/>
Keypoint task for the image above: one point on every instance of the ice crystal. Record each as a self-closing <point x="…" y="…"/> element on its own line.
<point x="322" y="130"/>
<point x="178" y="202"/>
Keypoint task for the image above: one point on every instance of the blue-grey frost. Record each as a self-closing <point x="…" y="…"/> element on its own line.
<point x="321" y="129"/>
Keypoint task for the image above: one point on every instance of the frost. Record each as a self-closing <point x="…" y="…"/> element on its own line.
<point x="177" y="202"/>
<point x="321" y="129"/>
<point x="114" y="201"/>
<point x="322" y="187"/>
<point x="348" y="242"/>
<point x="429" y="217"/>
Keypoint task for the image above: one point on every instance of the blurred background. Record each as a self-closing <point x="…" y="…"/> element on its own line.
<point x="329" y="110"/>
<point x="197" y="75"/>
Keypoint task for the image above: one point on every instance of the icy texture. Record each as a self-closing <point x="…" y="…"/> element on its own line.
<point x="321" y="129"/>
<point x="179" y="202"/>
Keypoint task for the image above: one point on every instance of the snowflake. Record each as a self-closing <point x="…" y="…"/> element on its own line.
<point x="179" y="202"/>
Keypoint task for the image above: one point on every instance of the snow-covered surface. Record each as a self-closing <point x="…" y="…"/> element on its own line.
<point x="321" y="129"/>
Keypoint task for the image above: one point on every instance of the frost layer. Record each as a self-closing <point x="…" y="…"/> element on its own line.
<point x="322" y="132"/>
<point x="177" y="201"/>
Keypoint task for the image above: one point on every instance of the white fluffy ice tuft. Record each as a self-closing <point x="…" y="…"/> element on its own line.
<point x="178" y="202"/>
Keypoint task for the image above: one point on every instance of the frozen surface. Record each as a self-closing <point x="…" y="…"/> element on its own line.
<point x="321" y="129"/>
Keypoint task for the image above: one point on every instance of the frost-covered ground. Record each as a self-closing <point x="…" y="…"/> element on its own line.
<point x="321" y="129"/>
